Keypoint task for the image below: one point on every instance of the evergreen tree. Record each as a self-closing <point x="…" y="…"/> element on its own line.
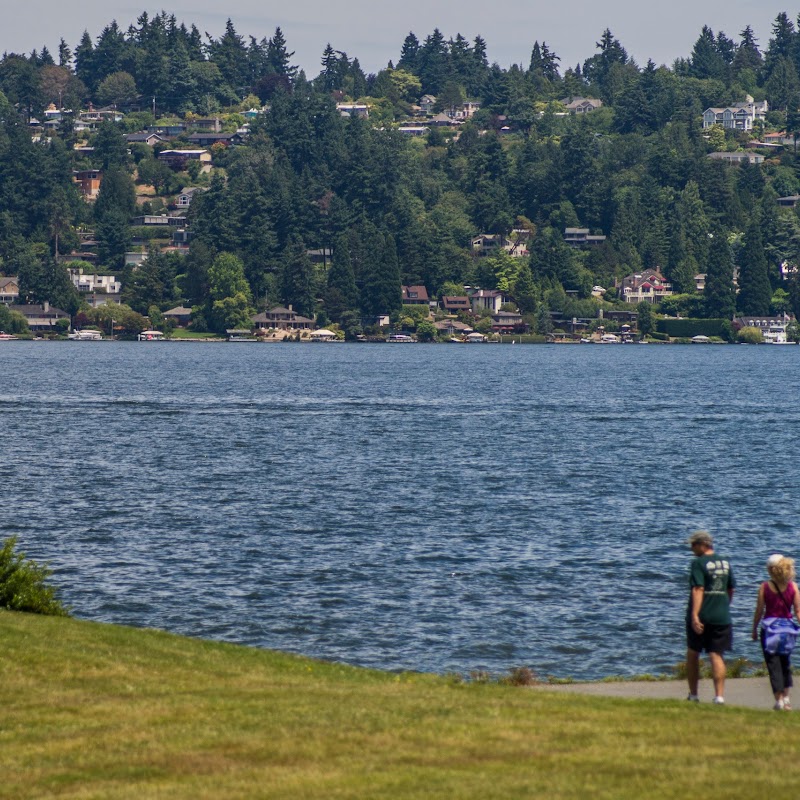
<point x="755" y="292"/>
<point x="748" y="56"/>
<point x="296" y="280"/>
<point x="409" y="53"/>
<point x="719" y="294"/>
<point x="706" y="61"/>
<point x="278" y="56"/>
<point x="341" y="277"/>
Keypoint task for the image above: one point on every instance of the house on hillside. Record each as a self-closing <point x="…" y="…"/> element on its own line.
<point x="739" y="116"/>
<point x="143" y="137"/>
<point x="648" y="286"/>
<point x="360" y="110"/>
<point x="414" y="296"/>
<point x="508" y="322"/>
<point x="738" y="157"/>
<point x="184" y="199"/>
<point x="452" y="304"/>
<point x="207" y="139"/>
<point x="177" y="159"/>
<point x="580" y="237"/>
<point x="9" y="290"/>
<point x="88" y="182"/>
<point x="426" y="104"/>
<point x="581" y="105"/>
<point x="486" y="300"/>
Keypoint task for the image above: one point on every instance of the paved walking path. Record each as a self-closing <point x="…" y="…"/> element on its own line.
<point x="750" y="692"/>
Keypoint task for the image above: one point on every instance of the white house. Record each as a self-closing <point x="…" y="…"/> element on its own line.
<point x="739" y="116"/>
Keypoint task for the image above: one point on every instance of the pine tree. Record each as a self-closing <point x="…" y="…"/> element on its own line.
<point x="719" y="294"/>
<point x="755" y="292"/>
<point x="341" y="276"/>
<point x="296" y="279"/>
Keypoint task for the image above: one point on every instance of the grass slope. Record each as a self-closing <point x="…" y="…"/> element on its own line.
<point x="103" y="711"/>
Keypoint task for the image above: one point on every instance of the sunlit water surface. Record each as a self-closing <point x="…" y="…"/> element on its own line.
<point x="431" y="508"/>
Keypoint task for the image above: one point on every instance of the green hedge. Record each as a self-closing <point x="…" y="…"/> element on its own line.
<point x="686" y="328"/>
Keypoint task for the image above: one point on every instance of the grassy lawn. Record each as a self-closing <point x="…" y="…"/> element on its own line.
<point x="101" y="711"/>
<point x="183" y="333"/>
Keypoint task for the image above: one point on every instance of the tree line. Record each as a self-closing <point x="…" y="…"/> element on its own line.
<point x="395" y="211"/>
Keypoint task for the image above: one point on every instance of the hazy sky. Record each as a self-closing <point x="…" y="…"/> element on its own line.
<point x="373" y="31"/>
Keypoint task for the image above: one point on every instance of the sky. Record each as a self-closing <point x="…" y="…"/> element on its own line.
<point x="373" y="31"/>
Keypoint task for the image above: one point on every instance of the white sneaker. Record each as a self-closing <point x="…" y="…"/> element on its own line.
<point x="720" y="701"/>
<point x="778" y="705"/>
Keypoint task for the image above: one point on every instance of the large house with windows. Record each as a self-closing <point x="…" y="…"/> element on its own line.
<point x="648" y="286"/>
<point x="737" y="117"/>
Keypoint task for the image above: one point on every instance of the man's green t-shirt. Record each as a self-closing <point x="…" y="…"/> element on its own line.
<point x="712" y="572"/>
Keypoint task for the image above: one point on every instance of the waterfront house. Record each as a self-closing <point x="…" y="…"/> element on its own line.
<point x="788" y="202"/>
<point x="41" y="317"/>
<point x="508" y="322"/>
<point x="452" y="327"/>
<point x="282" y="319"/>
<point x="9" y="291"/>
<point x="180" y="315"/>
<point x="772" y="328"/>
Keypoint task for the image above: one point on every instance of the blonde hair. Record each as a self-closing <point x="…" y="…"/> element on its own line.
<point x="783" y="571"/>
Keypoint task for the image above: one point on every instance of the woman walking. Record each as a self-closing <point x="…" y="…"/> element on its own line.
<point x="778" y="599"/>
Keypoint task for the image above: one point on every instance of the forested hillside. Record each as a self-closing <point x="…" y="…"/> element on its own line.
<point x="386" y="208"/>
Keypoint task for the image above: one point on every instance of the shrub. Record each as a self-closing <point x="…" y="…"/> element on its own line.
<point x="750" y="335"/>
<point x="521" y="676"/>
<point x="23" y="584"/>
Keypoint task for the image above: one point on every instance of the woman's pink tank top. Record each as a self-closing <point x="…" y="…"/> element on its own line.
<point x="775" y="606"/>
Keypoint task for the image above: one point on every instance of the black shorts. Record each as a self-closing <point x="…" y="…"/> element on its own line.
<point x="713" y="639"/>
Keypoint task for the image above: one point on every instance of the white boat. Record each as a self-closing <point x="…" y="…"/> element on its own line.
<point x="150" y="336"/>
<point x="609" y="338"/>
<point x="7" y="337"/>
<point x="399" y="338"/>
<point x="85" y="336"/>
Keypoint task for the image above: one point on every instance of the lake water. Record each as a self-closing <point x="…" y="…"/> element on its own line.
<point x="430" y="508"/>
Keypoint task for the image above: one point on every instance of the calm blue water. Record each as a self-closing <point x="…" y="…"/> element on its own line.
<point x="432" y="508"/>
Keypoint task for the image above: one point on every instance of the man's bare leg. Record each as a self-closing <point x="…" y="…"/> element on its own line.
<point x="718" y="673"/>
<point x="692" y="670"/>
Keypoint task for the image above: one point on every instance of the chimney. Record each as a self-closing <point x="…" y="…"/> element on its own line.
<point x="290" y="307"/>
<point x="46" y="306"/>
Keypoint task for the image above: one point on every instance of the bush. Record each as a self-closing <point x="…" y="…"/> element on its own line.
<point x="750" y="335"/>
<point x="23" y="584"/>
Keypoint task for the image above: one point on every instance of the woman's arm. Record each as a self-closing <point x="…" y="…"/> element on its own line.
<point x="760" y="610"/>
<point x="796" y="602"/>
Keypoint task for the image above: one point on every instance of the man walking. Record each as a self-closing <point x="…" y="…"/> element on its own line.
<point x="708" y="616"/>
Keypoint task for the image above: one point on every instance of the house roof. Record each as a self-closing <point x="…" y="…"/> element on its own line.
<point x="38" y="311"/>
<point x="178" y="311"/>
<point x="415" y="293"/>
<point x="6" y="281"/>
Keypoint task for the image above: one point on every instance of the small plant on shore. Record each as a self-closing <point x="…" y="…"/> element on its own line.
<point x="23" y="584"/>
<point x="520" y="676"/>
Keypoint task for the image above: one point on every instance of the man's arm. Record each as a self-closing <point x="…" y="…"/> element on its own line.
<point x="698" y="593"/>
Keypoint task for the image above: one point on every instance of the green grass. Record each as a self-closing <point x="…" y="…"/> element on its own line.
<point x="102" y="711"/>
<point x="183" y="333"/>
